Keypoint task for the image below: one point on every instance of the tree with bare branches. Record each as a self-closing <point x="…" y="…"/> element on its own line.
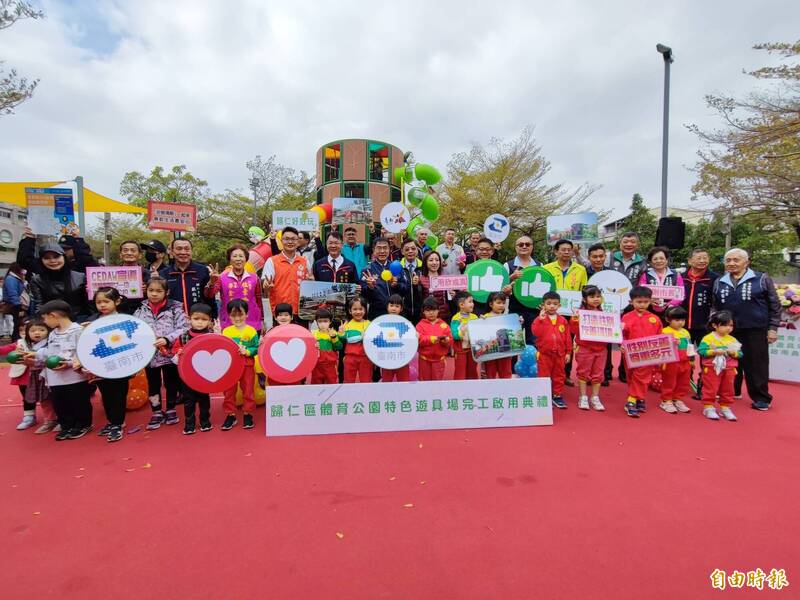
<point x="14" y="90"/>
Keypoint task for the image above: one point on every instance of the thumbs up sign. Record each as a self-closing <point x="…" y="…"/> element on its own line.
<point x="536" y="288"/>
<point x="488" y="282"/>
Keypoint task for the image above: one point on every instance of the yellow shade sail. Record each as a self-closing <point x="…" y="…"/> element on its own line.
<point x="14" y="193"/>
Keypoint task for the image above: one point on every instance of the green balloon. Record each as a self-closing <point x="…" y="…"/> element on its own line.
<point x="430" y="208"/>
<point x="416" y="196"/>
<point x="51" y="362"/>
<point x="399" y="174"/>
<point x="433" y="241"/>
<point x="413" y="225"/>
<point x="484" y="277"/>
<point x="13" y="357"/>
<point x="532" y="285"/>
<point x="427" y="173"/>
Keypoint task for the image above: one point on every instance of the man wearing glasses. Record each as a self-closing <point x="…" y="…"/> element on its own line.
<point x="283" y="272"/>
<point x="524" y="249"/>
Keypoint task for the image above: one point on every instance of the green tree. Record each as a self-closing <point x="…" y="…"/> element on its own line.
<point x="507" y="178"/>
<point x="642" y="221"/>
<point x="124" y="228"/>
<point x="753" y="162"/>
<point x="175" y="185"/>
<point x="14" y="90"/>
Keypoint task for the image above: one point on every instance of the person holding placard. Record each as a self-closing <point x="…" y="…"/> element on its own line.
<point x="524" y="249"/>
<point x="465" y="365"/>
<point x="554" y="345"/>
<point x="677" y="376"/>
<point x="589" y="356"/>
<point x="659" y="274"/>
<point x="499" y="368"/>
<point x="357" y="253"/>
<point x="200" y="323"/>
<point x="639" y="323"/>
<point x="54" y="279"/>
<point x="431" y="267"/>
<point x="394" y="306"/>
<point x="435" y="340"/>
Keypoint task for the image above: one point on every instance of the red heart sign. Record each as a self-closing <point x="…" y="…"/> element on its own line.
<point x="210" y="363"/>
<point x="288" y="353"/>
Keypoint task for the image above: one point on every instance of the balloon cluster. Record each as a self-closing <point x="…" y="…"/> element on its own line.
<point x="324" y="211"/>
<point x="420" y="177"/>
<point x="526" y="365"/>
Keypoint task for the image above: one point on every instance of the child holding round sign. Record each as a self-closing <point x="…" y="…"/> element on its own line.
<point x="435" y="340"/>
<point x="200" y="323"/>
<point x="114" y="392"/>
<point x="394" y="306"/>
<point x="554" y="345"/>
<point x="246" y="337"/>
<point x="589" y="356"/>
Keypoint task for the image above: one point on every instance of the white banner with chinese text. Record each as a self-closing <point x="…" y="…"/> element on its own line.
<point x="372" y="407"/>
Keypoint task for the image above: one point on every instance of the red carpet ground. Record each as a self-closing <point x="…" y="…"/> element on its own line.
<point x="597" y="506"/>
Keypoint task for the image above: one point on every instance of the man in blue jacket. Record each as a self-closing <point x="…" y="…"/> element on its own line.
<point x="751" y="297"/>
<point x="376" y="289"/>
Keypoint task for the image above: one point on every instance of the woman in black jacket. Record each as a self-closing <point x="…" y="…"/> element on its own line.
<point x="55" y="280"/>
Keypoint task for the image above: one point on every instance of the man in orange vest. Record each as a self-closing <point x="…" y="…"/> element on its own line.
<point x="283" y="272"/>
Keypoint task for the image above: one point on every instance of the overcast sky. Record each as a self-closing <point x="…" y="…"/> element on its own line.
<point x="130" y="85"/>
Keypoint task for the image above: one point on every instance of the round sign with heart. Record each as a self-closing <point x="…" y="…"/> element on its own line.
<point x="288" y="353"/>
<point x="210" y="363"/>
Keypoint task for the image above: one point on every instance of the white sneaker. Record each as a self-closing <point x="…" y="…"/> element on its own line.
<point x="28" y="420"/>
<point x="668" y="407"/>
<point x="681" y="406"/>
<point x="46" y="427"/>
<point x="711" y="413"/>
<point x="727" y="413"/>
<point x="583" y="403"/>
<point x="596" y="404"/>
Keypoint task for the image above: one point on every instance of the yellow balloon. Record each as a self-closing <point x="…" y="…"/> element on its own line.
<point x="248" y="266"/>
<point x="386" y="275"/>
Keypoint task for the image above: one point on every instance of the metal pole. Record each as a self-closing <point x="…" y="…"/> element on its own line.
<point x="665" y="136"/>
<point x="728" y="229"/>
<point x="254" y="187"/>
<point x="107" y="237"/>
<point x="81" y="212"/>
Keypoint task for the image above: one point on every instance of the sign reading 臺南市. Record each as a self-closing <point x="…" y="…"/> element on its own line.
<point x="496" y="337"/>
<point x="126" y="280"/>
<point x="371" y="407"/>
<point x="444" y="283"/>
<point x="667" y="292"/>
<point x="484" y="277"/>
<point x="50" y="210"/>
<point x="390" y="341"/>
<point x="784" y="356"/>
<point x="648" y="351"/>
<point x="171" y="216"/>
<point x="351" y="211"/>
<point x="599" y="326"/>
<point x="116" y="346"/>
<point x="302" y="220"/>
<point x="580" y="228"/>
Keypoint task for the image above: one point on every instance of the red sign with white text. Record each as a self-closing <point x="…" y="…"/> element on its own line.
<point x="171" y="216"/>
<point x="210" y="363"/>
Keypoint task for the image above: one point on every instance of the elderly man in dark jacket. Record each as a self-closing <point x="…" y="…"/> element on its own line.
<point x="751" y="297"/>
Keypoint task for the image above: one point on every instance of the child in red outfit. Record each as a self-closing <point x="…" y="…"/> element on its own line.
<point x="554" y="345"/>
<point x="356" y="362"/>
<point x="720" y="353"/>
<point x="589" y="356"/>
<point x="499" y="368"/>
<point x="435" y="340"/>
<point x="394" y="306"/>
<point x="639" y="323"/>
<point x="676" y="377"/>
<point x="327" y="368"/>
<point x="465" y="365"/>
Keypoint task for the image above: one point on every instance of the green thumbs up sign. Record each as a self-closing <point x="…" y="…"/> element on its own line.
<point x="485" y="277"/>
<point x="534" y="283"/>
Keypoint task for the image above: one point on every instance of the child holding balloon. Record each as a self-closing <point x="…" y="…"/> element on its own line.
<point x="19" y="374"/>
<point x="69" y="387"/>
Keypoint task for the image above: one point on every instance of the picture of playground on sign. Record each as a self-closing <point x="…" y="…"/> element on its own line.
<point x="315" y="295"/>
<point x="580" y="228"/>
<point x="352" y="210"/>
<point x="496" y="337"/>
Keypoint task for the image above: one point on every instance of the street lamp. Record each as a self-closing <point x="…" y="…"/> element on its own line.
<point x="254" y="187"/>
<point x="666" y="52"/>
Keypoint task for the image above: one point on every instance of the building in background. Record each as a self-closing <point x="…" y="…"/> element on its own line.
<point x="13" y="220"/>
